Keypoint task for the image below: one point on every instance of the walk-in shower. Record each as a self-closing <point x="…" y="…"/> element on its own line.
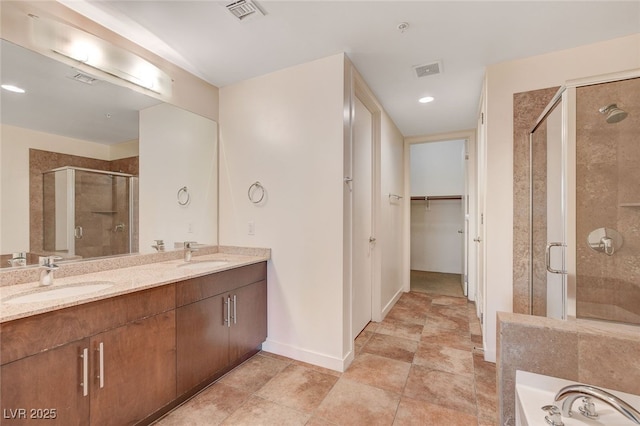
<point x="89" y="213"/>
<point x="585" y="202"/>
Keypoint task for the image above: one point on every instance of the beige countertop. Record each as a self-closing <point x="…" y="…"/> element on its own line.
<point x="125" y="280"/>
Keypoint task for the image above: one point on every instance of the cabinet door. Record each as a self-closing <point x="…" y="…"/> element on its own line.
<point x="139" y="365"/>
<point x="248" y="319"/>
<point x="202" y="341"/>
<point x="47" y="388"/>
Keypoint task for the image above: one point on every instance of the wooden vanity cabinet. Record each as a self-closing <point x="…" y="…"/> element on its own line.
<point x="46" y="388"/>
<point x="142" y="353"/>
<point x="138" y="361"/>
<point x="137" y="333"/>
<point x="219" y="320"/>
<point x="249" y="321"/>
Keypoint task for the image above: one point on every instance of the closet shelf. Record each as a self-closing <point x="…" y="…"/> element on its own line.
<point x="436" y="197"/>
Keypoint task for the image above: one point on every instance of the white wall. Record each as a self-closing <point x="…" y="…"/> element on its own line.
<point x="502" y="81"/>
<point x="177" y="149"/>
<point x="15" y="143"/>
<point x="392" y="212"/>
<point x="285" y="129"/>
<point x="437" y="168"/>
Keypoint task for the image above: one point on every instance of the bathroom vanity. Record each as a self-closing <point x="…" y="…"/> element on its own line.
<point x="130" y="353"/>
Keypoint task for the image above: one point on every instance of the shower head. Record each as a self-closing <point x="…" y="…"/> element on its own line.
<point x="613" y="113"/>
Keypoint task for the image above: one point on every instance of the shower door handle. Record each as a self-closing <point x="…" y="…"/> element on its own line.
<point x="548" y="258"/>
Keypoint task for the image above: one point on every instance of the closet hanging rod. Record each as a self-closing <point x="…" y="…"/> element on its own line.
<point x="436" y="197"/>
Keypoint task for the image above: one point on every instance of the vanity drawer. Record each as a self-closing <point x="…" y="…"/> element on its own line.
<point x="199" y="288"/>
<point x="38" y="333"/>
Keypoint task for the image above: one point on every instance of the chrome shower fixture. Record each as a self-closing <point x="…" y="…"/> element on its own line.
<point x="613" y="113"/>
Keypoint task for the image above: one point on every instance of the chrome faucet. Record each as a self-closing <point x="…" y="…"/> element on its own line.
<point x="573" y="392"/>
<point x="47" y="267"/>
<point x="159" y="245"/>
<point x="18" y="259"/>
<point x="189" y="249"/>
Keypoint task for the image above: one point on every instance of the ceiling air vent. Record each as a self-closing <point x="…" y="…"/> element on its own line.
<point x="83" y="78"/>
<point x="243" y="9"/>
<point x="428" y="69"/>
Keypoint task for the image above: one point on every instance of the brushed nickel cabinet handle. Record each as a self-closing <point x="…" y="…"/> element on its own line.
<point x="85" y="371"/>
<point x="235" y="315"/>
<point x="101" y="364"/>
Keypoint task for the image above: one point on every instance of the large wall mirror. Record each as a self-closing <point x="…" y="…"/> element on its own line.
<point x="91" y="168"/>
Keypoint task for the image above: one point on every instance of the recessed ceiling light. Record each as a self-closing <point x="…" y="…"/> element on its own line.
<point x="12" y="88"/>
<point x="426" y="99"/>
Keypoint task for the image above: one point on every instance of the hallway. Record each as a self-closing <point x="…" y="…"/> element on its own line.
<point x="417" y="367"/>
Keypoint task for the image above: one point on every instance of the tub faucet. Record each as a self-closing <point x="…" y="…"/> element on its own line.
<point x="46" y="269"/>
<point x="189" y="248"/>
<point x="573" y="392"/>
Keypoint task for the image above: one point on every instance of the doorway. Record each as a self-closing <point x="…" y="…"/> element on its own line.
<point x="438" y="217"/>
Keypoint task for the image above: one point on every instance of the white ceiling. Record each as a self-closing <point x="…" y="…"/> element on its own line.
<point x="205" y="39"/>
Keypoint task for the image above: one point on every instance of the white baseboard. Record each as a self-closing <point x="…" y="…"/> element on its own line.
<point x="304" y="355"/>
<point x="392" y="302"/>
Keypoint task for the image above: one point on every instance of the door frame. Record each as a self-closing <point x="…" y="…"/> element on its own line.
<point x="360" y="90"/>
<point x="469" y="136"/>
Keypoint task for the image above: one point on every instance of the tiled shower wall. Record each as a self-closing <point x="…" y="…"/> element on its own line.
<point x="595" y="352"/>
<point x="608" y="195"/>
<point x="527" y="107"/>
<point x="41" y="161"/>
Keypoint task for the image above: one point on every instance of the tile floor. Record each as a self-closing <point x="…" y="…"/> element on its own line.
<point x="417" y="367"/>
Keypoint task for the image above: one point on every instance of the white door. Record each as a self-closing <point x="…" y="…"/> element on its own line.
<point x="464" y="230"/>
<point x="479" y="218"/>
<point x="363" y="245"/>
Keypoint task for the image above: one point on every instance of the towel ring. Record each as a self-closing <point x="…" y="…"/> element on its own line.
<point x="183" y="196"/>
<point x="251" y="193"/>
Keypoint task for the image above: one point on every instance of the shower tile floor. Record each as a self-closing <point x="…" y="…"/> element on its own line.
<point x="417" y="367"/>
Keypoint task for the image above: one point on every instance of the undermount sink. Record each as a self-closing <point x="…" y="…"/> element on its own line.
<point x="47" y="294"/>
<point x="196" y="264"/>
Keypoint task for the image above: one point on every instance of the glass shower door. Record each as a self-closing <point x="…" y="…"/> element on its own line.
<point x="548" y="217"/>
<point x="102" y="220"/>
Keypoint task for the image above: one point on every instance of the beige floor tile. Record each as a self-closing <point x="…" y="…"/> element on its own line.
<point x="446" y="337"/>
<point x="406" y="330"/>
<point x="416" y="300"/>
<point x="392" y="347"/>
<point x="414" y="370"/>
<point x="407" y="313"/>
<point x="319" y="421"/>
<point x="413" y="412"/>
<point x="353" y="403"/>
<point x="445" y="389"/>
<point x="447" y="318"/>
<point x="260" y="412"/>
<point x="298" y="387"/>
<point x="209" y="407"/>
<point x="317" y="368"/>
<point x="448" y="300"/>
<point x="362" y="340"/>
<point x="443" y="358"/>
<point x="378" y="371"/>
<point x="253" y="373"/>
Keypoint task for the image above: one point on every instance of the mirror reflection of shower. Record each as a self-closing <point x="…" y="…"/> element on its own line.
<point x="613" y="113"/>
<point x="89" y="213"/>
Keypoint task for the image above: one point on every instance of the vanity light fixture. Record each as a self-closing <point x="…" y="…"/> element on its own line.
<point x="426" y="99"/>
<point x="87" y="49"/>
<point x="12" y="88"/>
